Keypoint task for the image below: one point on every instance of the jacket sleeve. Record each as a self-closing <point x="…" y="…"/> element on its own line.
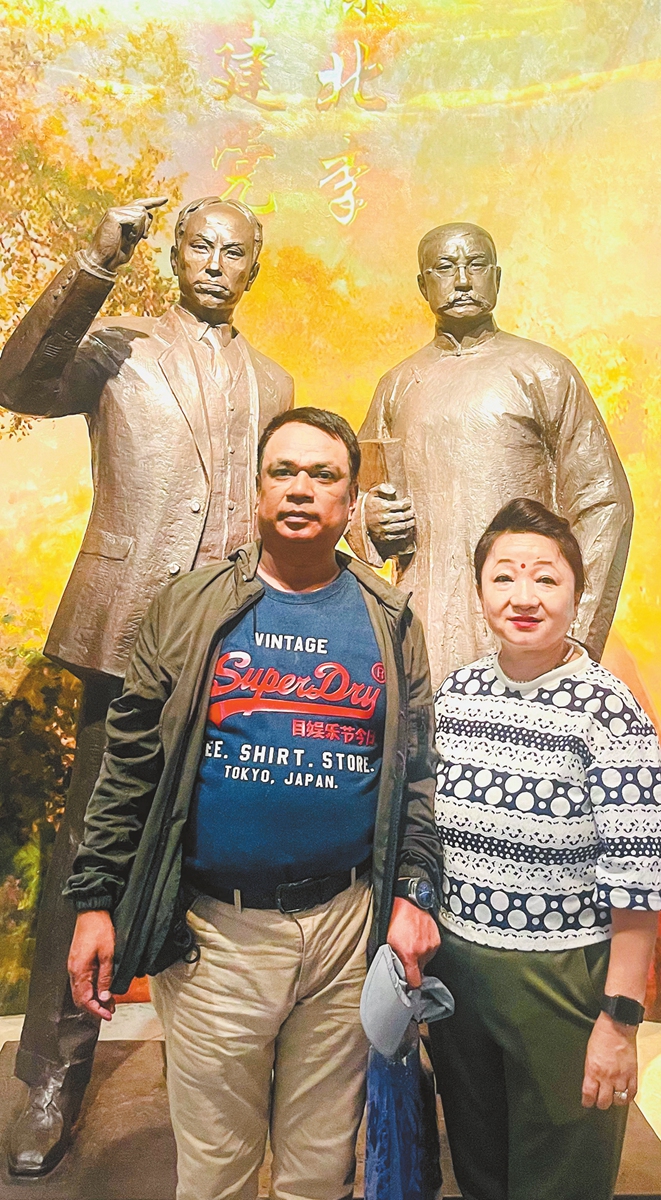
<point x="132" y="766"/>
<point x="593" y="494"/>
<point x="420" y="852"/>
<point x="44" y="370"/>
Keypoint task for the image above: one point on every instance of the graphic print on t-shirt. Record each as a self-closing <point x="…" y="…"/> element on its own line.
<point x="288" y="782"/>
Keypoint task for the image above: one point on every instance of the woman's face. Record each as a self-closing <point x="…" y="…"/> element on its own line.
<point x="528" y="597"/>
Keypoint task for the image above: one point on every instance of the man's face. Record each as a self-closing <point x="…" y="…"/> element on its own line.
<point x="214" y="262"/>
<point x="459" y="278"/>
<point x="305" y="493"/>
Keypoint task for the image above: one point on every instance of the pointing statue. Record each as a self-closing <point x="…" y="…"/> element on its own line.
<point x="481" y="417"/>
<point x="175" y="406"/>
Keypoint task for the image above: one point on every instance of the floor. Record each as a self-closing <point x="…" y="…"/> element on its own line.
<point x="125" y="1149"/>
<point x="130" y="1022"/>
<point x="139" y="1021"/>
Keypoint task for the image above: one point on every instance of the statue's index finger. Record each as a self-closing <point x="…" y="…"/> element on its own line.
<point x="154" y="202"/>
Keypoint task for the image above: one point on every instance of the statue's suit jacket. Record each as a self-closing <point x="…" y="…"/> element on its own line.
<point x="137" y="382"/>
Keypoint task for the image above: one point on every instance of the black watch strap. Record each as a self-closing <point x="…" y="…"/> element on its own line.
<point x="623" y="1009"/>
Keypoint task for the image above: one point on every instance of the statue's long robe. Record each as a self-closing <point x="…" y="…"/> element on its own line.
<point x="480" y="424"/>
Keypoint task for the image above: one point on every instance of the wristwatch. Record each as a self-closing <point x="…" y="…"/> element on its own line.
<point x="419" y="891"/>
<point x="623" y="1009"/>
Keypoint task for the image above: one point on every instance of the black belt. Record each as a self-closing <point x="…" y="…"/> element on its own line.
<point x="292" y="897"/>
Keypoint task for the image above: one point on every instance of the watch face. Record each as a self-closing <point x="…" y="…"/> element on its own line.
<point x="424" y="893"/>
<point x="624" y="1009"/>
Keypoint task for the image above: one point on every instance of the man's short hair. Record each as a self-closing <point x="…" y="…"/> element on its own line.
<point x="215" y="202"/>
<point x="431" y="236"/>
<point x="529" y="516"/>
<point x="321" y="418"/>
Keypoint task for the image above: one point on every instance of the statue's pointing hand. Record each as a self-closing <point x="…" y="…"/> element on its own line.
<point x="120" y="231"/>
<point x="390" y="521"/>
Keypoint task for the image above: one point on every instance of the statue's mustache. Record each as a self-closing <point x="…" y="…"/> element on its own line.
<point x="479" y="300"/>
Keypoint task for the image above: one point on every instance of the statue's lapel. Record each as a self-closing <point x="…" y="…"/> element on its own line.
<point x="179" y="366"/>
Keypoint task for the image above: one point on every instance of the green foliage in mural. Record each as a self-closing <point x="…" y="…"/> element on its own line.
<point x="67" y="157"/>
<point x="67" y="152"/>
<point x="36" y="753"/>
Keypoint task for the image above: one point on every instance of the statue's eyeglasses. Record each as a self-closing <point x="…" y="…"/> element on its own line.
<point x="448" y="270"/>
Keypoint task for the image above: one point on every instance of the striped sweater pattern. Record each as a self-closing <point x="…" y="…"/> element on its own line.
<point x="548" y="805"/>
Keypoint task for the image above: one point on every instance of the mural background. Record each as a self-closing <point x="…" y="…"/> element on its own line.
<point x="351" y="126"/>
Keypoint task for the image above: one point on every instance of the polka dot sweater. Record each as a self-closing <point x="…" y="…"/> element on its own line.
<point x="548" y="805"/>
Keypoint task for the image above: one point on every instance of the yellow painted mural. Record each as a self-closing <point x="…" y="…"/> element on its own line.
<point x="352" y="127"/>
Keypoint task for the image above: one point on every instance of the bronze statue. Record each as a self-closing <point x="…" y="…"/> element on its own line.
<point x="480" y="417"/>
<point x="175" y="406"/>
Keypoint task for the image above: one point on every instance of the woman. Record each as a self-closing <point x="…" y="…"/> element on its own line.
<point x="548" y="806"/>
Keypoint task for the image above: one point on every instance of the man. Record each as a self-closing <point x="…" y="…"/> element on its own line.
<point x="270" y="752"/>
<point x="174" y="407"/>
<point x="483" y="417"/>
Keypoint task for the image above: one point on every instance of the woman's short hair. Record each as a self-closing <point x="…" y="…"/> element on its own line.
<point x="321" y="418"/>
<point x="529" y="516"/>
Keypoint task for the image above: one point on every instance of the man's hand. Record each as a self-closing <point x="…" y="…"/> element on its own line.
<point x="91" y="963"/>
<point x="120" y="231"/>
<point x="610" y="1064"/>
<point x="390" y="522"/>
<point x="413" y="935"/>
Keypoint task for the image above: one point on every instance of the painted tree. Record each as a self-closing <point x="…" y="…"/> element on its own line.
<point x="69" y="150"/>
<point x="83" y="126"/>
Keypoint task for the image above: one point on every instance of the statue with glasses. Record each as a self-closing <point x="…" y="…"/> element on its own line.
<point x="480" y="417"/>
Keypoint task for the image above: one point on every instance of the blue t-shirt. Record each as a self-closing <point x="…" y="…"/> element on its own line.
<point x="288" y="781"/>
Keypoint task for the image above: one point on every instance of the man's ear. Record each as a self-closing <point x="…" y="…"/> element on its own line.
<point x="498" y="275"/>
<point x="254" y="272"/>
<point x="173" y="260"/>
<point x="422" y="284"/>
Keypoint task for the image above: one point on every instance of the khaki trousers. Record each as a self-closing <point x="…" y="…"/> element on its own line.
<point x="264" y="1033"/>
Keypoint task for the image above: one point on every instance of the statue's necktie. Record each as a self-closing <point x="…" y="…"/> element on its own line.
<point x="218" y="338"/>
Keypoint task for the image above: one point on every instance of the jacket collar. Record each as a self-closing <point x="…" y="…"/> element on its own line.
<point x="196" y="329"/>
<point x="168" y="327"/>
<point x="176" y="320"/>
<point x="246" y="561"/>
<point x="392" y="598"/>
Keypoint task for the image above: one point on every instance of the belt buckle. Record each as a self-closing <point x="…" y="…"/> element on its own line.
<point x="284" y="890"/>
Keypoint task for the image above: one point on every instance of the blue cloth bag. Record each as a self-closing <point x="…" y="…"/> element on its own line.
<point x="402" y="1159"/>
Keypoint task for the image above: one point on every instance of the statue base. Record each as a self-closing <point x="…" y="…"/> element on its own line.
<point x="124" y="1148"/>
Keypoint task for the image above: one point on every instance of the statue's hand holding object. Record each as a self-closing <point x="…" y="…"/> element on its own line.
<point x="390" y="521"/>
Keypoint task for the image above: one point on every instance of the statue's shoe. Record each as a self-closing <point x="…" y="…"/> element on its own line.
<point x="42" y="1134"/>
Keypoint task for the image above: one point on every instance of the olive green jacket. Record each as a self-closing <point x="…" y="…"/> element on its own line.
<point x="130" y="859"/>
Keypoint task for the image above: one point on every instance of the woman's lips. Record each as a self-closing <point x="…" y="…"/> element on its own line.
<point x="524" y="622"/>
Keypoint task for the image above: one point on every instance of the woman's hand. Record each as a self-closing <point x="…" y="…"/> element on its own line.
<point x="611" y="1066"/>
